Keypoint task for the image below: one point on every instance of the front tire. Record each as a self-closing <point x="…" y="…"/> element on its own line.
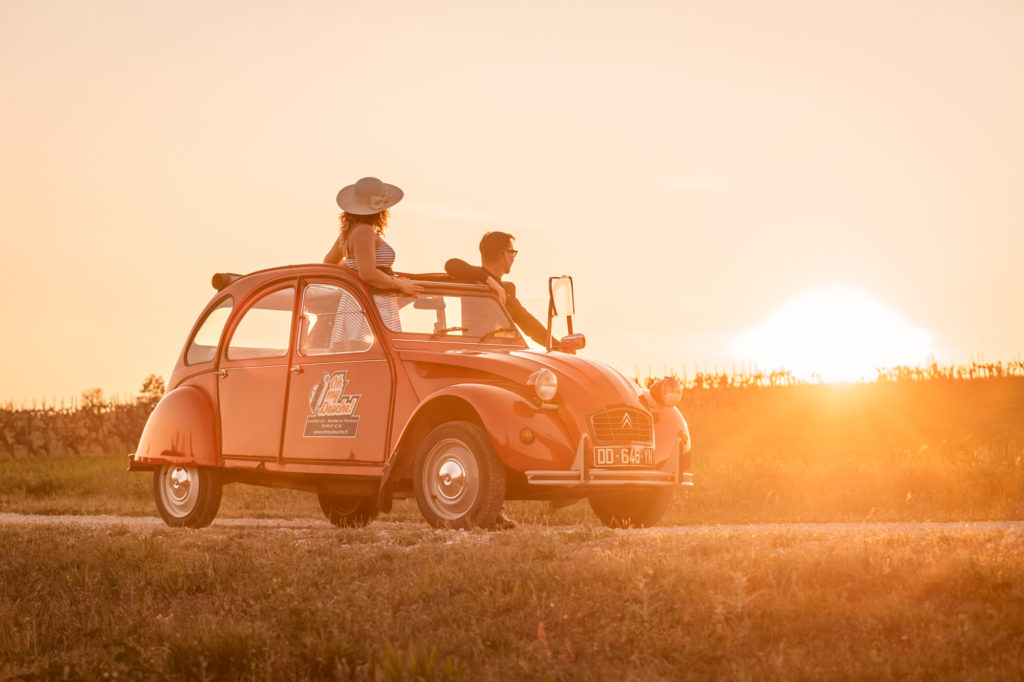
<point x="187" y="496"/>
<point x="348" y="511"/>
<point x="631" y="508"/>
<point x="458" y="479"/>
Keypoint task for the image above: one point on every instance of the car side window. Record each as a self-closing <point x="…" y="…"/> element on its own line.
<point x="265" y="328"/>
<point x="203" y="347"/>
<point x="332" y="321"/>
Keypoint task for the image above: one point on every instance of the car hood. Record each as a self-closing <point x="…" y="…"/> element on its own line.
<point x="580" y="381"/>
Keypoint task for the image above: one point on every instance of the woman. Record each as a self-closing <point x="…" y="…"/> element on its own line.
<point x="361" y="246"/>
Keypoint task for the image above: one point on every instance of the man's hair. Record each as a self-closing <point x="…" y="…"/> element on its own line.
<point x="493" y="243"/>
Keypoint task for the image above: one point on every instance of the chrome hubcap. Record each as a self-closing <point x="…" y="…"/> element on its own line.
<point x="181" y="484"/>
<point x="179" y="489"/>
<point x="451" y="480"/>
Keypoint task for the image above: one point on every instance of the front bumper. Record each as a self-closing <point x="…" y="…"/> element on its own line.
<point x="582" y="475"/>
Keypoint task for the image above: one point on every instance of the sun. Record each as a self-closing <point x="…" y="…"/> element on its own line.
<point x="835" y="334"/>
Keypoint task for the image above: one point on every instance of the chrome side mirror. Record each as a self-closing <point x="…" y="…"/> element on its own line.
<point x="571" y="343"/>
<point x="561" y="301"/>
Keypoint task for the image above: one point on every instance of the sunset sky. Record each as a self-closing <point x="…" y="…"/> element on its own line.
<point x="722" y="179"/>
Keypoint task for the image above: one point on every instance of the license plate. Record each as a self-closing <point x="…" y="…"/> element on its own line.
<point x="624" y="455"/>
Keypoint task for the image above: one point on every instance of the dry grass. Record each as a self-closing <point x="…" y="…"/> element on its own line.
<point x="583" y="603"/>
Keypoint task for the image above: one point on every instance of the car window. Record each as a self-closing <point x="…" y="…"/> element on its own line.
<point x="454" y="315"/>
<point x="265" y="328"/>
<point x="203" y="347"/>
<point x="332" y="321"/>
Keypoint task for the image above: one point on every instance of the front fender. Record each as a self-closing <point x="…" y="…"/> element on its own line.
<point x="504" y="415"/>
<point x="669" y="427"/>
<point x="181" y="430"/>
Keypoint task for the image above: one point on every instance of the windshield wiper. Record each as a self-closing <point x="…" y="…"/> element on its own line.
<point x="496" y="332"/>
<point x="446" y="330"/>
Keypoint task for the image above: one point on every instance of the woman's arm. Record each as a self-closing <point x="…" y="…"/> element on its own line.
<point x="336" y="254"/>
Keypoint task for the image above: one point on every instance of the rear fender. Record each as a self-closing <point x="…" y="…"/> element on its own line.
<point x="181" y="430"/>
<point x="503" y="414"/>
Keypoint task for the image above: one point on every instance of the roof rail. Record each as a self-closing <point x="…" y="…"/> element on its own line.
<point x="222" y="279"/>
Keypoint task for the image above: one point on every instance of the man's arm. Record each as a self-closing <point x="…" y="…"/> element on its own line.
<point x="461" y="270"/>
<point x="530" y="325"/>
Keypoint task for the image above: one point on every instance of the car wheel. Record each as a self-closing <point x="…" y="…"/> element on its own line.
<point x="631" y="508"/>
<point x="458" y="479"/>
<point x="187" y="495"/>
<point x="348" y="511"/>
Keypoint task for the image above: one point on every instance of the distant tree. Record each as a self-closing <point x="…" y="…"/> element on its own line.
<point x="92" y="399"/>
<point x="152" y="389"/>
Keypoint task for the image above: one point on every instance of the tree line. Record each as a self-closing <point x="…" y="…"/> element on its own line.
<point x="95" y="424"/>
<point x="91" y="425"/>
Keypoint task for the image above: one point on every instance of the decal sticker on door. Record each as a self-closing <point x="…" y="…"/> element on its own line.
<point x="332" y="410"/>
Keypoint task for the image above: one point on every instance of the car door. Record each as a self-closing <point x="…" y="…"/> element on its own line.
<point x="340" y="382"/>
<point x="253" y="376"/>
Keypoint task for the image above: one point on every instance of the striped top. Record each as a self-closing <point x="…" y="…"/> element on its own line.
<point x="385" y="257"/>
<point x="387" y="304"/>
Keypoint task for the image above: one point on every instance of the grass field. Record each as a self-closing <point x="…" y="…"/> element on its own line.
<point x="403" y="602"/>
<point x="562" y="597"/>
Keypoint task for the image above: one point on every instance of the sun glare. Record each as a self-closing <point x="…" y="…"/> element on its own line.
<point x="835" y="334"/>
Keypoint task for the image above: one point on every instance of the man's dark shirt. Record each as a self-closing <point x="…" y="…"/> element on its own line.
<point x="531" y="326"/>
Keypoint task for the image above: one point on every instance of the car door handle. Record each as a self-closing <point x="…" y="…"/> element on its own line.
<point x="295" y="369"/>
<point x="221" y="373"/>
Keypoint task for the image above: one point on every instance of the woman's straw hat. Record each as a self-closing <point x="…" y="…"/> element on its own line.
<point x="368" y="196"/>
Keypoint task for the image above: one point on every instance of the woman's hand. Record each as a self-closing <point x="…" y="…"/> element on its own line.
<point x="499" y="290"/>
<point x="405" y="287"/>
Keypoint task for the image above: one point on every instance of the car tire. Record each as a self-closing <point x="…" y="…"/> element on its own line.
<point x="631" y="508"/>
<point x="458" y="479"/>
<point x="187" y="496"/>
<point x="348" y="511"/>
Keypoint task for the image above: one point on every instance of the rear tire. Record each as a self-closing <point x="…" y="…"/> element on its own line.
<point x="458" y="479"/>
<point x="348" y="511"/>
<point x="631" y="508"/>
<point x="187" y="496"/>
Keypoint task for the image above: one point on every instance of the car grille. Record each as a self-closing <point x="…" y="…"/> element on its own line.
<point x="621" y="425"/>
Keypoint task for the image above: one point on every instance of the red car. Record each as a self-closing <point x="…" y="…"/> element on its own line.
<point x="302" y="377"/>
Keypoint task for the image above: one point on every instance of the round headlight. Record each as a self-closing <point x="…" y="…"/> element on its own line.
<point x="667" y="391"/>
<point x="545" y="383"/>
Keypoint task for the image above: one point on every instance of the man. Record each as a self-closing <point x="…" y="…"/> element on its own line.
<point x="497" y="253"/>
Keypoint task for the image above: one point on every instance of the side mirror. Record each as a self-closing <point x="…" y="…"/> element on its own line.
<point x="571" y="343"/>
<point x="561" y="301"/>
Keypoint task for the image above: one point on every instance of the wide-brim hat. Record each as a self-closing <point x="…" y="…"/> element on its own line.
<point x="368" y="196"/>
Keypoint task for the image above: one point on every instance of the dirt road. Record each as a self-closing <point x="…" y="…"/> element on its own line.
<point x="384" y="526"/>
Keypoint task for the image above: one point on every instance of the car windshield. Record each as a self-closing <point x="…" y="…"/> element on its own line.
<point x="470" y="316"/>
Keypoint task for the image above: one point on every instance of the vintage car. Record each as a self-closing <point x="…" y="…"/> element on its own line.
<point x="302" y="377"/>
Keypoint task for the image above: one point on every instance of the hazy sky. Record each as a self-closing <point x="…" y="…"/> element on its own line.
<point x="695" y="165"/>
